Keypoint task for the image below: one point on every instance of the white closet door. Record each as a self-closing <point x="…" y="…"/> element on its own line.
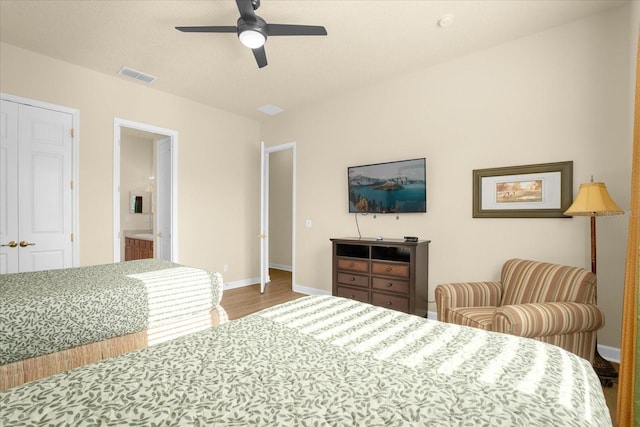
<point x="8" y="187"/>
<point x="44" y="186"/>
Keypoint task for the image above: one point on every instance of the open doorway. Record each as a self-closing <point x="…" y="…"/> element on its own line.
<point x="145" y="182"/>
<point x="277" y="211"/>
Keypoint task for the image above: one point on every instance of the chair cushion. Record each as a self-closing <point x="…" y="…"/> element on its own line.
<point x="477" y="317"/>
<point x="526" y="281"/>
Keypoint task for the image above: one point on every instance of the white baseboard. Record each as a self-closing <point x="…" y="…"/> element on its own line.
<point x="241" y="283"/>
<point x="307" y="290"/>
<point x="252" y="281"/>
<point x="281" y="267"/>
<point x="612" y="354"/>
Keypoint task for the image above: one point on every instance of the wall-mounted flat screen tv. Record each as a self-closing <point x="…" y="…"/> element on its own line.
<point x="391" y="187"/>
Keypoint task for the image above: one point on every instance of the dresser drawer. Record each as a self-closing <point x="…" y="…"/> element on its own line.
<point x="390" y="269"/>
<point x="356" y="294"/>
<point x="390" y="301"/>
<point x="351" y="264"/>
<point x="353" y="279"/>
<point x="391" y="285"/>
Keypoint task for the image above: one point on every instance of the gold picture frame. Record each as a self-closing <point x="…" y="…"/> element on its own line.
<point x="529" y="191"/>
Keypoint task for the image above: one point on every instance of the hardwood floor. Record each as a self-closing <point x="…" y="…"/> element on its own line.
<point x="611" y="396"/>
<point x="246" y="300"/>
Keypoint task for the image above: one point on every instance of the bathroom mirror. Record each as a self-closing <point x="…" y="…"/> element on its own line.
<point x="140" y="202"/>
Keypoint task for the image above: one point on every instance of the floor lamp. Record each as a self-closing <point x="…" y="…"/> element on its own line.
<point x="594" y="200"/>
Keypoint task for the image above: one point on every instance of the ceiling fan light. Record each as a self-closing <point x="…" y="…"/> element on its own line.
<point x="252" y="39"/>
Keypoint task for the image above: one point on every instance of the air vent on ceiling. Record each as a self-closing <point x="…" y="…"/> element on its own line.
<point x="138" y="75"/>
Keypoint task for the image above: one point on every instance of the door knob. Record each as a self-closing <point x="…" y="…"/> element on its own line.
<point x="24" y="244"/>
<point x="11" y="244"/>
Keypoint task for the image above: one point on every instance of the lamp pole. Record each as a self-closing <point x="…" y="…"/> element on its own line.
<point x="594" y="200"/>
<point x="593" y="247"/>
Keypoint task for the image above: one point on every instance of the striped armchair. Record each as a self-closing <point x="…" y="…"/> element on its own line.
<point x="547" y="302"/>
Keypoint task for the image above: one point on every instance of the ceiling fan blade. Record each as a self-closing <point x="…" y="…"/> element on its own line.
<point x="261" y="56"/>
<point x="249" y="23"/>
<point x="209" y="29"/>
<point x="246" y="9"/>
<point x="295" y="30"/>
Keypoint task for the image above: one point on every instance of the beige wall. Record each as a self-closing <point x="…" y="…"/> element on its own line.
<point x="634" y="36"/>
<point x="218" y="160"/>
<point x="558" y="95"/>
<point x="280" y="208"/>
<point x="554" y="96"/>
<point x="136" y="166"/>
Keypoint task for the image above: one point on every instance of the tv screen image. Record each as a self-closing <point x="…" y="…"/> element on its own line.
<point x="391" y="187"/>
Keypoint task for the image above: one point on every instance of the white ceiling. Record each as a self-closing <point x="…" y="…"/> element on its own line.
<point x="367" y="41"/>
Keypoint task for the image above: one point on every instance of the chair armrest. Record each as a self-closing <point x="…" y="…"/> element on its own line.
<point x="547" y="319"/>
<point x="470" y="294"/>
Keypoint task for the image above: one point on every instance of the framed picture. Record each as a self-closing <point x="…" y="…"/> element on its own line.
<point x="531" y="191"/>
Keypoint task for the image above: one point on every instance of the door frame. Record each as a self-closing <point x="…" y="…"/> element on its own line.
<point x="264" y="211"/>
<point x="118" y="124"/>
<point x="75" y="124"/>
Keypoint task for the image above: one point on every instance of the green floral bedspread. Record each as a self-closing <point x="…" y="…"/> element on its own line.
<point x="323" y="361"/>
<point x="47" y="311"/>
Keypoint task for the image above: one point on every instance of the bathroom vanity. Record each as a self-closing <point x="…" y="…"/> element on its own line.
<point x="138" y="246"/>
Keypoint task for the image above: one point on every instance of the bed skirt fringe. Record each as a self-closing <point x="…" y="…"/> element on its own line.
<point x="20" y="372"/>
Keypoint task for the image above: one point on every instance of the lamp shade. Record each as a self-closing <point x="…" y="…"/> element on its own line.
<point x="593" y="200"/>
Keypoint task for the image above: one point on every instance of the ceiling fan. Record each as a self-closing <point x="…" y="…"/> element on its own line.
<point x="253" y="30"/>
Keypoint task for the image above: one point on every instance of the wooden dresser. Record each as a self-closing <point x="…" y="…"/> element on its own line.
<point x="390" y="273"/>
<point x="137" y="249"/>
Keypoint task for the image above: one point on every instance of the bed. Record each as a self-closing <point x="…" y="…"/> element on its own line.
<point x="323" y="360"/>
<point x="58" y="319"/>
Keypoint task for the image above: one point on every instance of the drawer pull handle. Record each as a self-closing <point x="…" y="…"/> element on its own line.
<point x="351" y="264"/>
<point x="352" y="296"/>
<point x="389" y="285"/>
<point x="389" y="268"/>
<point x="389" y="303"/>
<point x="353" y="279"/>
